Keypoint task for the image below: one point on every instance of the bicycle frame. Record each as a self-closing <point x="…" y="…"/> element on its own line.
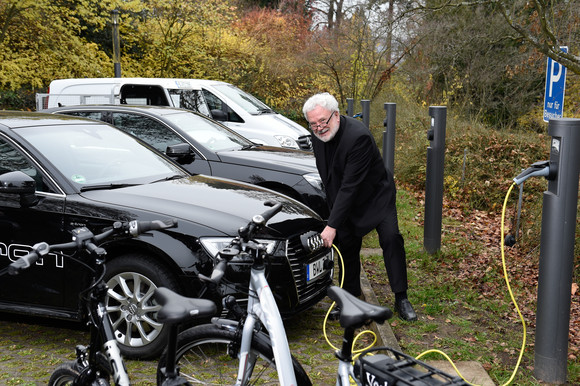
<point x="102" y="336"/>
<point x="264" y="308"/>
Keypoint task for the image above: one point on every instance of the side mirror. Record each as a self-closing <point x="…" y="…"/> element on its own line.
<point x="182" y="152"/>
<point x="219" y="115"/>
<point x="19" y="183"/>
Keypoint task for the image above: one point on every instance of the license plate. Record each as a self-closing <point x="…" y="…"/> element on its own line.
<point x="315" y="269"/>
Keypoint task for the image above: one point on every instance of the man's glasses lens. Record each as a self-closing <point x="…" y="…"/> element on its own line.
<point x="316" y="125"/>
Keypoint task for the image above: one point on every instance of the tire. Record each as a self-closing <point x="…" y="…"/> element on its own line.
<point x="67" y="373"/>
<point x="64" y="374"/>
<point x="203" y="358"/>
<point x="131" y="279"/>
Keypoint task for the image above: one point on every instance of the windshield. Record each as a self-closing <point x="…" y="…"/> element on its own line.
<point x="207" y="132"/>
<point x="98" y="154"/>
<point x="246" y="101"/>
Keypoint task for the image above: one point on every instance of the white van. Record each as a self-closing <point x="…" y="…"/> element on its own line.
<point x="224" y="102"/>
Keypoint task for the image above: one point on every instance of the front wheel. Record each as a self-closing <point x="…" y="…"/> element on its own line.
<point x="207" y="355"/>
<point x="69" y="372"/>
<point x="132" y="280"/>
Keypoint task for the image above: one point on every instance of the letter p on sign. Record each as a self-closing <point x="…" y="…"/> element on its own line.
<point x="555" y="86"/>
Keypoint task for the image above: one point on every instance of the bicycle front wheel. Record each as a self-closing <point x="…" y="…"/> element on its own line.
<point x="70" y="372"/>
<point x="208" y="355"/>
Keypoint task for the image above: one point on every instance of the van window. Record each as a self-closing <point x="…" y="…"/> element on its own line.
<point x="216" y="103"/>
<point x="140" y="94"/>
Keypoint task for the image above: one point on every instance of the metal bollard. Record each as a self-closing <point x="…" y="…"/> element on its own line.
<point x="366" y="112"/>
<point x="389" y="136"/>
<point x="349" y="107"/>
<point x="559" y="214"/>
<point x="434" y="179"/>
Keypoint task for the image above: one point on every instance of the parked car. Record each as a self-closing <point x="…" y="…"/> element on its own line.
<point x="204" y="146"/>
<point x="59" y="172"/>
<point x="238" y="109"/>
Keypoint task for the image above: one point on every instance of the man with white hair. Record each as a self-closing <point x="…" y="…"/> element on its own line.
<point x="360" y="193"/>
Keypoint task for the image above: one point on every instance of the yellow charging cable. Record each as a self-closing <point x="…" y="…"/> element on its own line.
<point x="355" y="352"/>
<point x="511" y="295"/>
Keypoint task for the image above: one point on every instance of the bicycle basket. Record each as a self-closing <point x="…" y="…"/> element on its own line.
<point x="396" y="368"/>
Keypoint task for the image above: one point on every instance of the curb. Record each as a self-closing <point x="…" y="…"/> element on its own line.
<point x="385" y="336"/>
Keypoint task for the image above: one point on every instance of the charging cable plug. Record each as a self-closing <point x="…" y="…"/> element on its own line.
<point x="540" y="168"/>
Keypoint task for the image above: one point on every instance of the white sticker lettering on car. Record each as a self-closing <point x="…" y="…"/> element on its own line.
<point x="14" y="251"/>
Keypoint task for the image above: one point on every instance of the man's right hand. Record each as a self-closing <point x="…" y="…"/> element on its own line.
<point x="328" y="235"/>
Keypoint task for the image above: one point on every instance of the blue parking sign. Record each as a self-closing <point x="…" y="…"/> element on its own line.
<point x="555" y="87"/>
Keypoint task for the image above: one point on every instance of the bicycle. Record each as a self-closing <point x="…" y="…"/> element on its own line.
<point x="101" y="360"/>
<point x="254" y="340"/>
<point x="252" y="348"/>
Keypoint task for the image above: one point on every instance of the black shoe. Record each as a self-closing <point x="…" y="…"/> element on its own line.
<point x="405" y="310"/>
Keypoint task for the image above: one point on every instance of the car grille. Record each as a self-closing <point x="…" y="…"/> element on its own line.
<point x="298" y="257"/>
<point x="305" y="143"/>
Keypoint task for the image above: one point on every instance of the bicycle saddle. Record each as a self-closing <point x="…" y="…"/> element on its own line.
<point x="176" y="308"/>
<point x="355" y="312"/>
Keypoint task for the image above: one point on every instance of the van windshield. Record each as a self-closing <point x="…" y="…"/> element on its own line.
<point x="246" y="101"/>
<point x="188" y="99"/>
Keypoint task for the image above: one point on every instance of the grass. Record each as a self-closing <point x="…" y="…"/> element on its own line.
<point x="459" y="314"/>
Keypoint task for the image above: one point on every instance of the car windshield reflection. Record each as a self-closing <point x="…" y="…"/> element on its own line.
<point x="208" y="133"/>
<point x="98" y="155"/>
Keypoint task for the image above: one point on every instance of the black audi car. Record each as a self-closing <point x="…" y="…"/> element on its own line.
<point x="88" y="173"/>
<point x="204" y="146"/>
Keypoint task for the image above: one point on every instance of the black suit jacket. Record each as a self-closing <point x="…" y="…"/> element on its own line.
<point x="359" y="190"/>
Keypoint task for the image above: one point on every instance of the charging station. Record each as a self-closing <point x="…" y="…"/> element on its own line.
<point x="434" y="179"/>
<point x="559" y="213"/>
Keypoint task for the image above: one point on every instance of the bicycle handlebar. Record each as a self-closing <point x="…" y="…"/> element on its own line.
<point x="242" y="242"/>
<point x="259" y="220"/>
<point x="83" y="238"/>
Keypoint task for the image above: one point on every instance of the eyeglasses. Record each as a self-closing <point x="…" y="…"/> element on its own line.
<point x="320" y="124"/>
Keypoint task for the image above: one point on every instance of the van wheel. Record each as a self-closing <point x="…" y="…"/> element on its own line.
<point x="131" y="281"/>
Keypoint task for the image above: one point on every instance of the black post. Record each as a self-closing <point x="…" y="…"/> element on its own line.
<point x="116" y="44"/>
<point x="349" y="107"/>
<point x="389" y="136"/>
<point x="366" y="112"/>
<point x="559" y="214"/>
<point x="434" y="179"/>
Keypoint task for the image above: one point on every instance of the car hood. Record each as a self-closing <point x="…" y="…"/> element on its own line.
<point x="221" y="204"/>
<point x="274" y="158"/>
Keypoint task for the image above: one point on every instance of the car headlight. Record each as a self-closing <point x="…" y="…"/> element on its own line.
<point x="215" y="244"/>
<point x="314" y="180"/>
<point x="286" y="141"/>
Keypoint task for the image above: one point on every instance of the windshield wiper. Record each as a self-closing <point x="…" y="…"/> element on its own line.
<point x="105" y="187"/>
<point x="265" y="111"/>
<point x="173" y="177"/>
<point x="250" y="146"/>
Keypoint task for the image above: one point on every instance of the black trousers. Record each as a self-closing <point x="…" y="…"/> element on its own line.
<point x="393" y="246"/>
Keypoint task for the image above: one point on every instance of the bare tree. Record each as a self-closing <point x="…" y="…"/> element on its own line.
<point x="544" y="24"/>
